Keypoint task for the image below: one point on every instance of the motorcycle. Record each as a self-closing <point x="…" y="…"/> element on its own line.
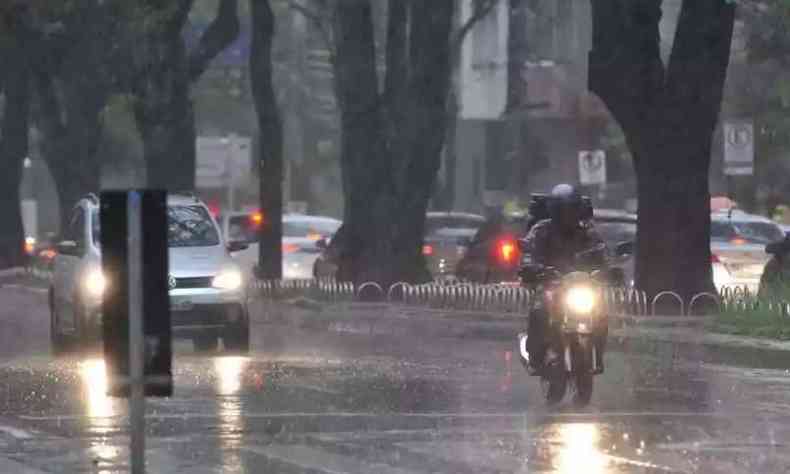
<point x="576" y="314"/>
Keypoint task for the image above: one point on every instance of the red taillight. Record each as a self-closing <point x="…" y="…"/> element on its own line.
<point x="427" y="250"/>
<point x="214" y="210"/>
<point x="508" y="251"/>
<point x="738" y="241"/>
<point x="48" y="254"/>
<point x="256" y="218"/>
<point x="714" y="258"/>
<point x="290" y="248"/>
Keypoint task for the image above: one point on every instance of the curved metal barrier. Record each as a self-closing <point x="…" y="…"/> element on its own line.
<point x="697" y="297"/>
<point x="676" y="296"/>
<point x="402" y="285"/>
<point x="457" y="295"/>
<point x="370" y="284"/>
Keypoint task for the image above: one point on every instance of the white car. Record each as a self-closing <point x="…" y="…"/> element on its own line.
<point x="207" y="291"/>
<point x="301" y="233"/>
<point x="738" y="243"/>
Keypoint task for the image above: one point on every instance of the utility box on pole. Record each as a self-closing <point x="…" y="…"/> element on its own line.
<point x="153" y="300"/>
<point x="136" y="304"/>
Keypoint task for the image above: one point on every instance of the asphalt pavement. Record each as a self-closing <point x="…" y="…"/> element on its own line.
<point x="329" y="402"/>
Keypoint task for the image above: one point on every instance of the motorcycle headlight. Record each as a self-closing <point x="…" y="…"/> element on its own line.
<point x="580" y="299"/>
<point x="228" y="280"/>
<point x="94" y="282"/>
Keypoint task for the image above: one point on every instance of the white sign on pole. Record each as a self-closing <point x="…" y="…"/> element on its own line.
<point x="241" y="159"/>
<point x="738" y="148"/>
<point x="222" y="159"/>
<point x="592" y="167"/>
<point x="211" y="166"/>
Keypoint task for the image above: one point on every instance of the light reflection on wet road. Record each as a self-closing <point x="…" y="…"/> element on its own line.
<point x="330" y="403"/>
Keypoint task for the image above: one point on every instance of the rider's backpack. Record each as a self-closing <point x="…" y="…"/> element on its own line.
<point x="539" y="208"/>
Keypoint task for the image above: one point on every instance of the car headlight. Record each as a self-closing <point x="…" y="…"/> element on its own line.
<point x="580" y="299"/>
<point x="721" y="277"/>
<point x="95" y="282"/>
<point x="228" y="280"/>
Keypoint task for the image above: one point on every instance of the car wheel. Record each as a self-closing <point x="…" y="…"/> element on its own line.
<point x="58" y="342"/>
<point x="207" y="342"/>
<point x="237" y="338"/>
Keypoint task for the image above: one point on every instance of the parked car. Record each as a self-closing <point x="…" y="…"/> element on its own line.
<point x="447" y="238"/>
<point x="207" y="291"/>
<point x="617" y="227"/>
<point x="492" y="259"/>
<point x="738" y="243"/>
<point x="494" y="255"/>
<point x="301" y="234"/>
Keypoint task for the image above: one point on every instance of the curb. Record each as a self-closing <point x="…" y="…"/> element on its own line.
<point x="12" y="272"/>
<point x="31" y="289"/>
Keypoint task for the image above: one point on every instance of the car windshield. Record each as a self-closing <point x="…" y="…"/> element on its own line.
<point x="190" y="226"/>
<point x="309" y="228"/>
<point x="187" y="226"/>
<point x="752" y="232"/>
<point x="435" y="224"/>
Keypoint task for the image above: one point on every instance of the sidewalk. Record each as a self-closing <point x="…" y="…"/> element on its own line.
<point x="677" y="337"/>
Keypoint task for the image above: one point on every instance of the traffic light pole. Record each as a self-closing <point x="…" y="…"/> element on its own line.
<point x="136" y="335"/>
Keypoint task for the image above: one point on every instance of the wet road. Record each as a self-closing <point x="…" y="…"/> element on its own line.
<point x="328" y="403"/>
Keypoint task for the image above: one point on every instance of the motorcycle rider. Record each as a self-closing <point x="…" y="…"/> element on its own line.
<point x="556" y="242"/>
<point x="775" y="281"/>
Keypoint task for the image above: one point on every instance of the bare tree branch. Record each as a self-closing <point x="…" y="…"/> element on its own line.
<point x="320" y="19"/>
<point x="480" y="9"/>
<point x="182" y="10"/>
<point x="222" y="31"/>
<point x="700" y="52"/>
<point x="396" y="54"/>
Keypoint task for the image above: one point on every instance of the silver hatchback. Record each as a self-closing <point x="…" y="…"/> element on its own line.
<point x="208" y="296"/>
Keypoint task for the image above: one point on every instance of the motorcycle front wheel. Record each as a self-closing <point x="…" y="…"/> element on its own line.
<point x="555" y="382"/>
<point x="582" y="372"/>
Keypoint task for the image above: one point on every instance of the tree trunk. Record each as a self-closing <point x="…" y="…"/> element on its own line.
<point x="447" y="199"/>
<point x="518" y="54"/>
<point x="363" y="166"/>
<point x="70" y="149"/>
<point x="271" y="140"/>
<point x="164" y="114"/>
<point x="668" y="116"/>
<point x="392" y="142"/>
<point x="164" y="111"/>
<point x="13" y="150"/>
